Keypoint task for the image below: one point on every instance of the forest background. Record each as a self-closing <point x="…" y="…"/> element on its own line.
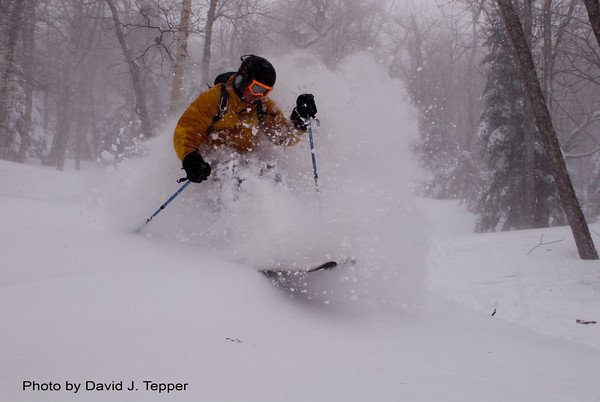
<point x="91" y="80"/>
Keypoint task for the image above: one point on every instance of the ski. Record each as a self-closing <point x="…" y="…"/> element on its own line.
<point x="326" y="266"/>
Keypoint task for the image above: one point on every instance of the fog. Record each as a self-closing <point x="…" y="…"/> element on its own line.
<point x="95" y="84"/>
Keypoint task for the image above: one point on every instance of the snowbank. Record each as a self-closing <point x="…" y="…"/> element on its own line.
<point x="546" y="288"/>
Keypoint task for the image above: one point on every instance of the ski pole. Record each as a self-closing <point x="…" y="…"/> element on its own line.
<point x="313" y="153"/>
<point x="163" y="206"/>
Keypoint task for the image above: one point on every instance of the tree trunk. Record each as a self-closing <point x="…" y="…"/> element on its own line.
<point x="182" y="38"/>
<point x="141" y="107"/>
<point x="84" y="92"/>
<point x="529" y="190"/>
<point x="593" y="9"/>
<point x="90" y="147"/>
<point x="79" y="140"/>
<point x="471" y="96"/>
<point x="547" y="51"/>
<point x="58" y="89"/>
<point x="8" y="72"/>
<point x="46" y="116"/>
<point x="210" y="20"/>
<point x="568" y="198"/>
<point x="29" y="48"/>
<point x="417" y="54"/>
<point x="64" y="112"/>
<point x="66" y="90"/>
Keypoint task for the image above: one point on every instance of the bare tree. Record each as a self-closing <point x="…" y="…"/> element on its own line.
<point x="141" y="107"/>
<point x="208" y="31"/>
<point x="529" y="188"/>
<point x="29" y="46"/>
<point x="470" y="83"/>
<point x="182" y="38"/>
<point x="593" y="9"/>
<point x="438" y="60"/>
<point x="8" y="72"/>
<point x="334" y="28"/>
<point x="579" y="227"/>
<point x="66" y="89"/>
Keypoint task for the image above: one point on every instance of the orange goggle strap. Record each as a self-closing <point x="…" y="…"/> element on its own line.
<point x="263" y="90"/>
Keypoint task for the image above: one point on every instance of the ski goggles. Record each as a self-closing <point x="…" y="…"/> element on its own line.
<point x="259" y="89"/>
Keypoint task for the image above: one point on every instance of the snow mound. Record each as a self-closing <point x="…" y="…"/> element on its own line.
<point x="546" y="288"/>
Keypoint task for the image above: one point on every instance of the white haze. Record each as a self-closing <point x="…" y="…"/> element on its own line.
<point x="364" y="210"/>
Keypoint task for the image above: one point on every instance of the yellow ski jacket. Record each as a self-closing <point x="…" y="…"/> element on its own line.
<point x="239" y="129"/>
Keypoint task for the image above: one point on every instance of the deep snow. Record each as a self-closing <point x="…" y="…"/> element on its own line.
<point x="83" y="298"/>
<point x="546" y="288"/>
<point x="81" y="302"/>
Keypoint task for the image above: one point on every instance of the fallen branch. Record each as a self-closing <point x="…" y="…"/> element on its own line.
<point x="583" y="322"/>
<point x="544" y="244"/>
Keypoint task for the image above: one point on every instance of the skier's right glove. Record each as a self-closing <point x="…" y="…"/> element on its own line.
<point x="196" y="169"/>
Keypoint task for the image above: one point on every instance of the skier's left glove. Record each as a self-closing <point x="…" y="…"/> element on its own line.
<point x="305" y="110"/>
<point x="196" y="169"/>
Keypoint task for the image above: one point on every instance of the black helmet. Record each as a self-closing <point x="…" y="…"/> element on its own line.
<point x="257" y="68"/>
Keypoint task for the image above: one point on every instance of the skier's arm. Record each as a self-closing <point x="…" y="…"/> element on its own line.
<point x="195" y="121"/>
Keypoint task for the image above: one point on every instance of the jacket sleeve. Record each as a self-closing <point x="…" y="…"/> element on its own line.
<point x="277" y="128"/>
<point x="191" y="129"/>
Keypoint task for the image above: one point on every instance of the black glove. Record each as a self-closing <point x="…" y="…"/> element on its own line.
<point x="305" y="109"/>
<point x="305" y="105"/>
<point x="196" y="169"/>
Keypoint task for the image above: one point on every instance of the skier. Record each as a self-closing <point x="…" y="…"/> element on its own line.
<point x="234" y="114"/>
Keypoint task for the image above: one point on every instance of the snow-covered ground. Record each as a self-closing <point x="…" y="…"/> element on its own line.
<point x="533" y="278"/>
<point x="81" y="302"/>
<point x="82" y="298"/>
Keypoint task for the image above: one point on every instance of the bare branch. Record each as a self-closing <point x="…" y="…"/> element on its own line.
<point x="540" y="244"/>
